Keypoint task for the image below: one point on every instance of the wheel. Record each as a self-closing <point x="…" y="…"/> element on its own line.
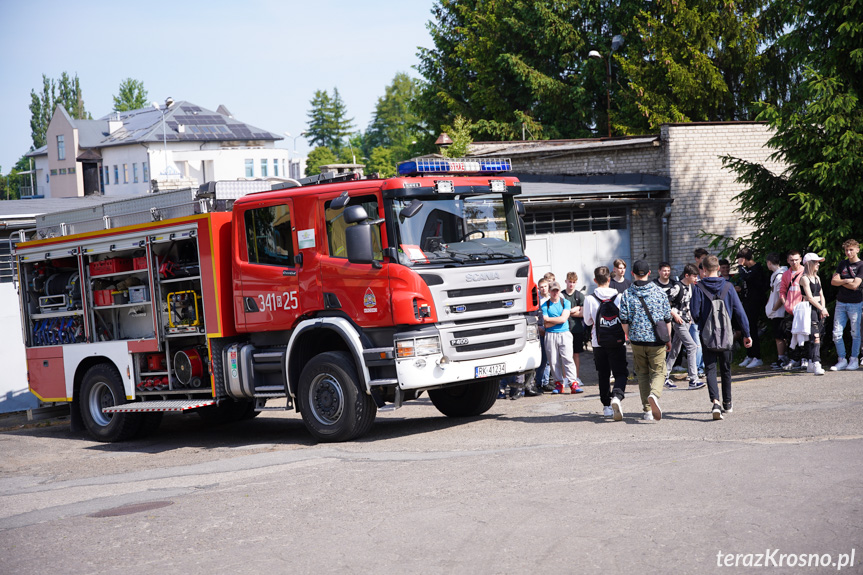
<point x="101" y="388"/>
<point x="466" y="400"/>
<point x="333" y="406"/>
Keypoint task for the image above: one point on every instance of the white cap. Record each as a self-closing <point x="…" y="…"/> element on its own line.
<point x="811" y="257"/>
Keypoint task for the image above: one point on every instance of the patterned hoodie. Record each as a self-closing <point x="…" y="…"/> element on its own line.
<point x="641" y="331"/>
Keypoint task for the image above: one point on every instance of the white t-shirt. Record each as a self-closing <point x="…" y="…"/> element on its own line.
<point x="591" y="306"/>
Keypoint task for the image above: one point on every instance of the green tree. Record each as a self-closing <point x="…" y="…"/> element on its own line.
<point x="318" y="157"/>
<point x="517" y="67"/>
<point x="816" y="203"/>
<point x="328" y="122"/>
<point x="66" y="92"/>
<point x="694" y="60"/>
<point x="132" y="96"/>
<point x="396" y="129"/>
<point x="460" y="133"/>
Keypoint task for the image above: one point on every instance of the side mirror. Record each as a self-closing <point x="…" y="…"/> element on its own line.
<point x="354" y="214"/>
<point x="341" y="201"/>
<point x="359" y="243"/>
<point x="519" y="208"/>
<point x="411" y="209"/>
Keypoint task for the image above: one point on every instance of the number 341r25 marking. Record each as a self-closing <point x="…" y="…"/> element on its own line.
<point x="279" y="301"/>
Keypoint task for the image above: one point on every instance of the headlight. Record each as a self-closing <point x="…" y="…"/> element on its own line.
<point x="531" y="332"/>
<point x="428" y="345"/>
<point x="419" y="346"/>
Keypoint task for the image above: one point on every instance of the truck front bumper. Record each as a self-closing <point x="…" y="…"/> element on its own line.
<point x="435" y="370"/>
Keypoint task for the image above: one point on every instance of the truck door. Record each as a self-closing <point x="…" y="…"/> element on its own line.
<point x="267" y="268"/>
<point x="362" y="291"/>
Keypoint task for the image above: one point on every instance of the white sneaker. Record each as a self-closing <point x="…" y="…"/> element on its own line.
<point x="755" y="363"/>
<point x="745" y="362"/>
<point x="818" y="370"/>
<point x="607" y="411"/>
<point x="716" y="411"/>
<point x="648" y="416"/>
<point x="615" y="407"/>
<point x="840" y="365"/>
<point x="853" y="365"/>
<point x="810" y="367"/>
<point x="654" y="406"/>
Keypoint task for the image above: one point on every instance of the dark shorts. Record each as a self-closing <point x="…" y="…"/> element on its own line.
<point x="776" y="326"/>
<point x="577" y="341"/>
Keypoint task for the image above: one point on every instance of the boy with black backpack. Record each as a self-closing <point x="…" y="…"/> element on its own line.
<point x="714" y="304"/>
<point x="609" y="353"/>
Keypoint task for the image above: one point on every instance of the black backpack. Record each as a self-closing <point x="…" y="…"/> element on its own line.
<point x="717" y="334"/>
<point x="609" y="331"/>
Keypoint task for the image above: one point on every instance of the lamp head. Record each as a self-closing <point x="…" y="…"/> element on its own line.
<point x="594" y="54"/>
<point x="616" y="42"/>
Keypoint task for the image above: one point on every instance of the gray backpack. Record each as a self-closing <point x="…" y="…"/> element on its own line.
<point x="717" y="334"/>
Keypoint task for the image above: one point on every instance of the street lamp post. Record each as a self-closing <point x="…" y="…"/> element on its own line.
<point x="293" y="152"/>
<point x="169" y="101"/>
<point x="616" y="42"/>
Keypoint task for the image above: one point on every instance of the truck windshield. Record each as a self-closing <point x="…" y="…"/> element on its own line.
<point x="448" y="230"/>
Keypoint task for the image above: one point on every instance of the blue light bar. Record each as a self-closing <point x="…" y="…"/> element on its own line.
<point x="455" y="166"/>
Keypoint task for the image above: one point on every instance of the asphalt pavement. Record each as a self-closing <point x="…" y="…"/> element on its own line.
<point x="536" y="485"/>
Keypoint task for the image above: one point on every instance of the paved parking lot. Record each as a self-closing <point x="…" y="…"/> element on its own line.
<point x="537" y="485"/>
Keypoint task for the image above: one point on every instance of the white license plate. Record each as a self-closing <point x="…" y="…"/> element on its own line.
<point x="491" y="370"/>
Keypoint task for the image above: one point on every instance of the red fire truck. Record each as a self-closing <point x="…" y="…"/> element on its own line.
<point x="333" y="296"/>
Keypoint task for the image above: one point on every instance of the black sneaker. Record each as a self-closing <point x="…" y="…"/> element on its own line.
<point x="727" y="408"/>
<point x="716" y="410"/>
<point x="548" y="388"/>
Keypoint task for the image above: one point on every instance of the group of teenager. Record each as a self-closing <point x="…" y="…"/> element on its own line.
<point x="700" y="314"/>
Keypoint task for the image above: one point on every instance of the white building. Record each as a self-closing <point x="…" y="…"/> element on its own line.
<point x="141" y="151"/>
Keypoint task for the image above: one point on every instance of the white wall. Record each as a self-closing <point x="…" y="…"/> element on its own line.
<point x="14" y="393"/>
<point x="129" y="155"/>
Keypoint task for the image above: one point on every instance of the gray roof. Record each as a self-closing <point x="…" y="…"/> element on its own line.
<point x="199" y="125"/>
<point x="15" y="209"/>
<point x="554" y="147"/>
<point x="145" y="125"/>
<point x="549" y="186"/>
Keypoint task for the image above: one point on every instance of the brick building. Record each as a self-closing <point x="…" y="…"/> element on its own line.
<point x="644" y="197"/>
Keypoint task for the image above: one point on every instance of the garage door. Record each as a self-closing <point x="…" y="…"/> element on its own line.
<point x="576" y="240"/>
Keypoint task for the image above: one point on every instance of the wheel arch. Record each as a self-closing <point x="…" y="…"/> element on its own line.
<point x="77" y="422"/>
<point x="320" y="335"/>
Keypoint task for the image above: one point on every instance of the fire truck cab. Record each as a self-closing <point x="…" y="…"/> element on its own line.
<point x="332" y="298"/>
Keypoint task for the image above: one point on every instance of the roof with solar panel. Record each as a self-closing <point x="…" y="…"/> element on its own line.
<point x="184" y="122"/>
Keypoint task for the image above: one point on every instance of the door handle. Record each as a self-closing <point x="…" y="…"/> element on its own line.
<point x="250" y="304"/>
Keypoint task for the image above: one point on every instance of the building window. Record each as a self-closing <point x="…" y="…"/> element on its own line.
<point x="72" y="170"/>
<point x="146" y="170"/>
<point x="116" y="175"/>
<point x="125" y="173"/>
<point x="135" y="173"/>
<point x="263" y="168"/>
<point x="53" y="172"/>
<point x="62" y="171"/>
<point x="268" y="236"/>
<point x="276" y="167"/>
<point x="61" y="147"/>
<point x="107" y="176"/>
<point x="250" y="168"/>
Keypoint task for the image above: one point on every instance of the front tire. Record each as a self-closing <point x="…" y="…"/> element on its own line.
<point x="101" y="388"/>
<point x="333" y="406"/>
<point x="467" y="400"/>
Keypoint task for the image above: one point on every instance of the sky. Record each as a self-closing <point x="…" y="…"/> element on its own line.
<point x="262" y="59"/>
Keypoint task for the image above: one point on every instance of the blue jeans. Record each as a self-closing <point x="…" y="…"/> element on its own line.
<point x="699" y="359"/>
<point x="847" y="313"/>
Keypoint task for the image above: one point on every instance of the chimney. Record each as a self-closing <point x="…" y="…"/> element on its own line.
<point x="114" y="123"/>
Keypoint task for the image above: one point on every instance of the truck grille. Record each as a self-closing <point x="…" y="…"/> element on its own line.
<point x="476" y="339"/>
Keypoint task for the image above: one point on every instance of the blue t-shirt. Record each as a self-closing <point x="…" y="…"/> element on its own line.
<point x="550" y="309"/>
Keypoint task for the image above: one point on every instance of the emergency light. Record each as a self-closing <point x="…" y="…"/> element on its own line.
<point x="419" y="166"/>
